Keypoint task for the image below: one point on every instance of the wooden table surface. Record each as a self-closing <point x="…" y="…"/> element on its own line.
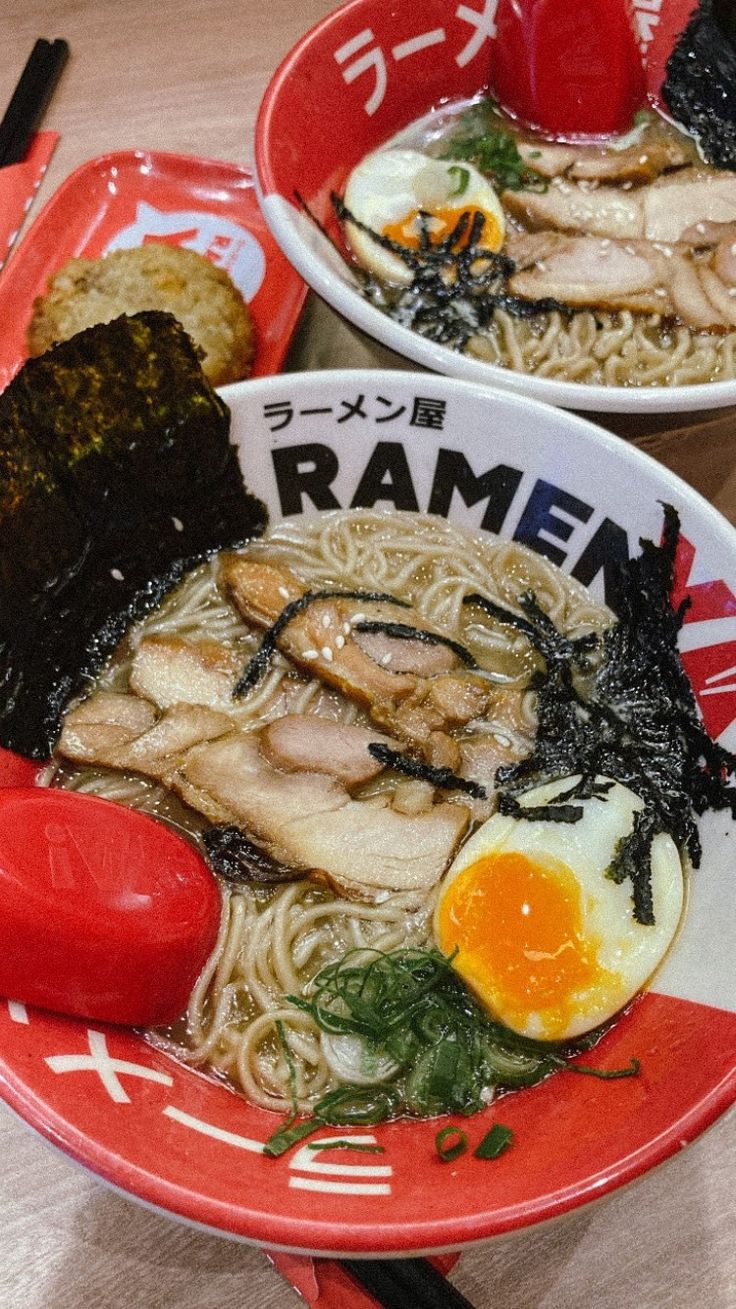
<point x="188" y="75"/>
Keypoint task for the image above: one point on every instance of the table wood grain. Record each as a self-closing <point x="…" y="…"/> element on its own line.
<point x="187" y="75"/>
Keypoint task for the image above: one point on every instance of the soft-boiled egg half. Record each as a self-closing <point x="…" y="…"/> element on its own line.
<point x="389" y="190"/>
<point x="545" y="940"/>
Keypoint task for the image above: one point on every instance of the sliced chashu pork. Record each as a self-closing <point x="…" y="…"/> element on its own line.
<point x="170" y="670"/>
<point x="308" y="743"/>
<point x="322" y="639"/>
<point x="125" y="732"/>
<point x="663" y="210"/>
<point x="303" y="819"/>
<point x="586" y="271"/>
<point x="309" y="820"/>
<point x="675" y="205"/>
<point x="655" y="153"/>
<point x="568" y="207"/>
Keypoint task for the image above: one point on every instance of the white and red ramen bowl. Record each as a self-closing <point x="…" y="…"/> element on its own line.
<point x="368" y="71"/>
<point x="192" y="1148"/>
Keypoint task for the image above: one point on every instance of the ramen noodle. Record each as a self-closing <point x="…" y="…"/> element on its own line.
<point x="274" y="940"/>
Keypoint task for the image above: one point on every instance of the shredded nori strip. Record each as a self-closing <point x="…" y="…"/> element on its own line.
<point x="700" y="79"/>
<point x="455" y="288"/>
<point x="257" y="666"/>
<point x="116" y="476"/>
<point x="456" y="284"/>
<point x="440" y="777"/>
<point x="639" y="724"/>
<point x="232" y="854"/>
<point x="402" y="632"/>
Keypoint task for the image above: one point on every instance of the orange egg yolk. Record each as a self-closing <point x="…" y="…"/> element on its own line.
<point x="406" y="231"/>
<point x="518" y="929"/>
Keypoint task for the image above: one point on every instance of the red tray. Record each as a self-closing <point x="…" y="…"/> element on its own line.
<point x="134" y="197"/>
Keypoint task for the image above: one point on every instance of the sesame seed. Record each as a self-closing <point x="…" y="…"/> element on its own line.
<point x="605" y="242"/>
<point x="626" y="186"/>
<point x="116" y="573"/>
<point x="385" y="659"/>
<point x="346" y="629"/>
<point x="326" y="620"/>
<point x="178" y="524"/>
<point x="339" y="642"/>
<point x="660" y="290"/>
<point x="643" y="159"/>
<point x="732" y="290"/>
<point x="283" y="593"/>
<point x="310" y="654"/>
<point x="700" y="227"/>
<point x="358" y="618"/>
<point x="327" y="654"/>
<point x="541" y="266"/>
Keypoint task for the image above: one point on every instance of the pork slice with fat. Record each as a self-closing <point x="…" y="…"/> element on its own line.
<point x="308" y="743"/>
<point x="125" y="732"/>
<point x="308" y="820"/>
<point x="605" y="211"/>
<point x="676" y="204"/>
<point x="170" y="670"/>
<point x="587" y="270"/>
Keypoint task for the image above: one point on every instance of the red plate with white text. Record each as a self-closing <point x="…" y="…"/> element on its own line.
<point x="136" y="197"/>
<point x="186" y="1144"/>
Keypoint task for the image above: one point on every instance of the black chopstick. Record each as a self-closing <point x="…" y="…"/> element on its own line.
<point x="29" y="100"/>
<point x="405" y="1284"/>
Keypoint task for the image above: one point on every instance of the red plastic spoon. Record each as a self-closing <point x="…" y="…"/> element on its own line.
<point x="570" y="69"/>
<point x="104" y="913"/>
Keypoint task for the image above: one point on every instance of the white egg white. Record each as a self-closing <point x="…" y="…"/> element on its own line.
<point x="390" y="185"/>
<point x="626" y="953"/>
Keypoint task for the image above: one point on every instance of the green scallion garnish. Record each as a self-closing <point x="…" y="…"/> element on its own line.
<point x="462" y="177"/>
<point x="344" y="1144"/>
<point x="450" y="1143"/>
<point x="494" y="1142"/>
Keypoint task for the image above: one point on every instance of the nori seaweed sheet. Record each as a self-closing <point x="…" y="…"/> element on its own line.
<point x="639" y="724"/>
<point x="116" y="476"/>
<point x="700" y="82"/>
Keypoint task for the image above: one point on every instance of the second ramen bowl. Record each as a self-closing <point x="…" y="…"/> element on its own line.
<point x="365" y="73"/>
<point x="187" y="1145"/>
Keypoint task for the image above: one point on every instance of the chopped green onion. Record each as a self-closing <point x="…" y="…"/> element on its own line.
<point x="346" y="1145"/>
<point x="359" y="1105"/>
<point x="344" y="1107"/>
<point x="458" y="1144"/>
<point x="494" y="1142"/>
<point x="287" y="1135"/>
<point x="462" y="177"/>
<point x="605" y="1074"/>
<point x="483" y="140"/>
